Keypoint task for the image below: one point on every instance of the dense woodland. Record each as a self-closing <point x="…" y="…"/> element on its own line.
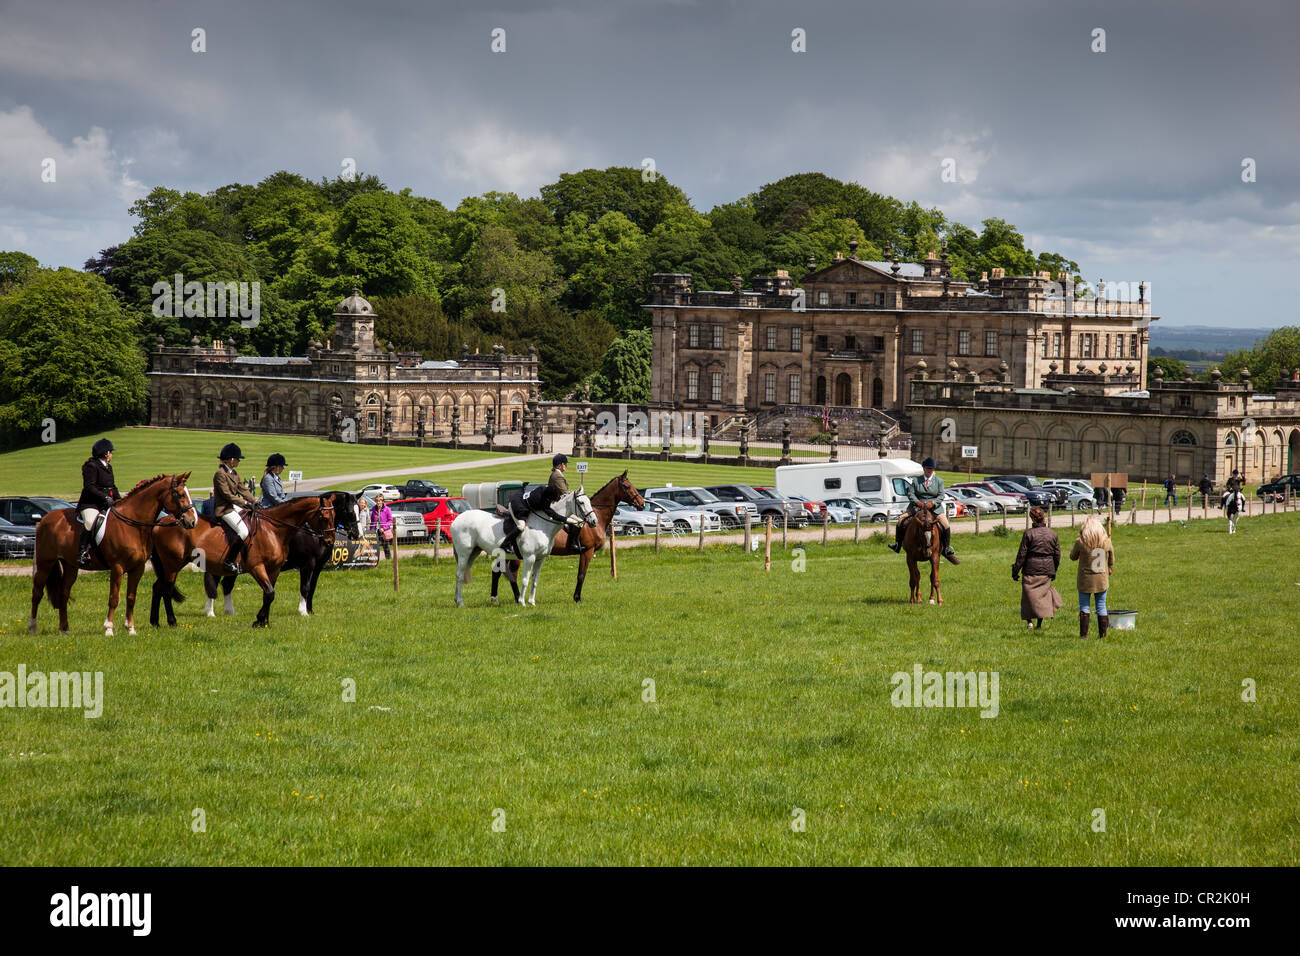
<point x="573" y="265"/>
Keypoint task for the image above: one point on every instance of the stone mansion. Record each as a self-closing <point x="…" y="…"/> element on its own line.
<point x="852" y="336"/>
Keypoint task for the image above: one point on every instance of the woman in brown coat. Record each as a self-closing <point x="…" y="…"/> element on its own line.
<point x="1036" y="564"/>
<point x="1092" y="549"/>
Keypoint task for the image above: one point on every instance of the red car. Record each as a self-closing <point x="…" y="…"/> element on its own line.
<point x="438" y="513"/>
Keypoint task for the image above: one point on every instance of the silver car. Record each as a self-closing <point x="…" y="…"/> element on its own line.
<point x="672" y="518"/>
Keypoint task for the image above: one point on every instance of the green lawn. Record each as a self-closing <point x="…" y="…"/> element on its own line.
<point x="55" y="469"/>
<point x="772" y="692"/>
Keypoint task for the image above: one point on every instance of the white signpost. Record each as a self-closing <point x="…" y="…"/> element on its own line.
<point x="970" y="451"/>
<point x="295" y="477"/>
<point x="582" y="467"/>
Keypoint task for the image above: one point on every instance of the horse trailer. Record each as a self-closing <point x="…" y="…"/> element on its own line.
<point x="882" y="482"/>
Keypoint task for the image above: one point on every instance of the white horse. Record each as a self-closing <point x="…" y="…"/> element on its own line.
<point x="1233" y="504"/>
<point x="481" y="532"/>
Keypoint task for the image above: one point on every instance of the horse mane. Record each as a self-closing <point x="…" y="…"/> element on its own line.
<point x="143" y="484"/>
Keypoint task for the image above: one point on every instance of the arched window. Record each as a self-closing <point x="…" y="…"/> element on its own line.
<point x="1183" y="438"/>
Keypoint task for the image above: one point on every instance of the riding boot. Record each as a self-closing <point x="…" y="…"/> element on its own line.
<point x="84" y="558"/>
<point x="1084" y="618"/>
<point x="1103" y="624"/>
<point x="897" y="546"/>
<point x="234" y="553"/>
<point x="945" y="544"/>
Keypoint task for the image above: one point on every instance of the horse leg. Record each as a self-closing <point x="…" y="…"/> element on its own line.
<point x="935" y="596"/>
<point x="583" y="561"/>
<point x="267" y="583"/>
<point x="304" y="591"/>
<point x="227" y="586"/>
<point x="525" y="577"/>
<point x="315" y="578"/>
<point x="913" y="580"/>
<point x="463" y="562"/>
<point x="114" y="590"/>
<point x="40" y="575"/>
<point x="69" y="575"/>
<point x="210" y="589"/>
<point x="537" y="576"/>
<point x="132" y="582"/>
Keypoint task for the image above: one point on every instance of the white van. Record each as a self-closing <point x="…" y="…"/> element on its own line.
<point x="883" y="482"/>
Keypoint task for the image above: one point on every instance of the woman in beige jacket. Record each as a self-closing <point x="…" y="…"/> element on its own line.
<point x="1092" y="549"/>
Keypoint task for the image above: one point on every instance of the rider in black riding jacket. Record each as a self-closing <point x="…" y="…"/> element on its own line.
<point x="98" y="492"/>
<point x="540" y="499"/>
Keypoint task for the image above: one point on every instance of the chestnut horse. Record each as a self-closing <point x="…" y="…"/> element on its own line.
<point x="308" y="552"/>
<point x="128" y="536"/>
<point x="271" y="530"/>
<point x="591" y="539"/>
<point x="921" y="543"/>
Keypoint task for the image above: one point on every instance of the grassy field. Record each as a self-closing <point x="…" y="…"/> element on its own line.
<point x="55" y="469"/>
<point x="772" y="691"/>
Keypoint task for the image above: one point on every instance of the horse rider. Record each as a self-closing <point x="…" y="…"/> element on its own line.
<point x="927" y="488"/>
<point x="272" y="487"/>
<point x="540" y="499"/>
<point x="229" y="495"/>
<point x="1235" y="482"/>
<point x="98" y="492"/>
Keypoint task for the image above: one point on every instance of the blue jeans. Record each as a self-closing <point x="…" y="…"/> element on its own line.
<point x="1083" y="602"/>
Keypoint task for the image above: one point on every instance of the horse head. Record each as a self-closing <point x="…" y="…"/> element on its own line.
<point x="345" y="511"/>
<point x="182" y="504"/>
<point x="926" y="515"/>
<point x="627" y="492"/>
<point x="582" y="508"/>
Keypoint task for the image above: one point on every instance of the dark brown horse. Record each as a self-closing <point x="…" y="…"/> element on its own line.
<point x="270" y="533"/>
<point x="921" y="543"/>
<point x="309" y="552"/>
<point x="128" y="534"/>
<point x="618" y="490"/>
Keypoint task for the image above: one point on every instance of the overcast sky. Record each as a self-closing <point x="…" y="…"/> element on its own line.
<point x="1127" y="161"/>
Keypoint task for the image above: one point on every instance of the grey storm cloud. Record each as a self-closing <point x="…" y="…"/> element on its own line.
<point x="1128" y="161"/>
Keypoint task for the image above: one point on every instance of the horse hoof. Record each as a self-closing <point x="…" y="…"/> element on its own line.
<point x="931" y="600"/>
<point x="492" y="601"/>
<point x="31" y="626"/>
<point x="131" y="631"/>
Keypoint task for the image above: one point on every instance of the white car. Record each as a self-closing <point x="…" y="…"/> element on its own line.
<point x="1075" y="485"/>
<point x="1009" y="502"/>
<point x="975" y="501"/>
<point x="370" y="492"/>
<point x="672" y="517"/>
<point x="868" y="510"/>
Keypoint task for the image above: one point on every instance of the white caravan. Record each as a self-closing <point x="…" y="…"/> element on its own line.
<point x="882" y="482"/>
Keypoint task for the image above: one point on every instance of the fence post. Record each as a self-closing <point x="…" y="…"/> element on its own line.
<point x="767" y="548"/>
<point x="748" y="538"/>
<point x="1049" y="516"/>
<point x="857" y="523"/>
<point x="826" y="526"/>
<point x="1189" y="506"/>
<point x="613" y="562"/>
<point x="700" y="546"/>
<point x="658" y="517"/>
<point x="1004" y="514"/>
<point x="437" y="539"/>
<point x="785" y="521"/>
<point x="977" y="520"/>
<point x="1205" y="507"/>
<point x="395" y="549"/>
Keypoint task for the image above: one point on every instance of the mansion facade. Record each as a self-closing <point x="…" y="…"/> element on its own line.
<point x="852" y="336"/>
<point x="349" y="376"/>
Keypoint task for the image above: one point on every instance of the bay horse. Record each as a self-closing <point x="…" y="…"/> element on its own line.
<point x="308" y="553"/>
<point x="271" y="530"/>
<point x="590" y="538"/>
<point x="481" y="532"/>
<point x="128" y="530"/>
<point x="921" y="543"/>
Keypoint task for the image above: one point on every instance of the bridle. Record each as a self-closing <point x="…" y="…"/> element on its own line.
<point x="634" y="498"/>
<point x="322" y="507"/>
<point x="158" y="521"/>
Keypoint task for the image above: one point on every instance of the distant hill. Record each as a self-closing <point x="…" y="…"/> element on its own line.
<point x="1212" y="339"/>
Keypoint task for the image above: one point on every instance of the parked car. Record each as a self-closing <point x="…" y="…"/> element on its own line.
<point x="1278" y="487"/>
<point x="369" y="492"/>
<point x="1030" y="483"/>
<point x="768" y="503"/>
<point x="868" y="510"/>
<point x="883" y="482"/>
<point x="438" y="512"/>
<point x="730" y="513"/>
<point x="419" y="488"/>
<point x="1014" y="500"/>
<point x="1075" y="484"/>
<point x="16" y="540"/>
<point x="1035" y="496"/>
<point x="408" y="526"/>
<point x="1078" y="501"/>
<point x="671" y="516"/>
<point x="814" y="508"/>
<point x="29" y="511"/>
<point x="975" y="501"/>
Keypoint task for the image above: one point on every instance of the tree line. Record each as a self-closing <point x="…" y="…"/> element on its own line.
<point x="567" y="271"/>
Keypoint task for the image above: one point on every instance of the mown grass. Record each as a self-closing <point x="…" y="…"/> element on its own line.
<point x="772" y="692"/>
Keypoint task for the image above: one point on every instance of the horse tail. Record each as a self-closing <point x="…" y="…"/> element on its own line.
<point x="54" y="584"/>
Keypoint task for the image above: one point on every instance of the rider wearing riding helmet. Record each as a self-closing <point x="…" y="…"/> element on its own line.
<point x="540" y="499"/>
<point x="98" y="492"/>
<point x="927" y="488"/>
<point x="229" y="494"/>
<point x="272" y="487"/>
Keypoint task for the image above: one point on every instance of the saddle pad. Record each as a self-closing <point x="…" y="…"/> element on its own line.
<point x="102" y="521"/>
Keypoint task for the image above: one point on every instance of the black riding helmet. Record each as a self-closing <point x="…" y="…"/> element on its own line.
<point x="101" y="448"/>
<point x="928" y="463"/>
<point x="559" y="459"/>
<point x="276" y="459"/>
<point x="231" y="450"/>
